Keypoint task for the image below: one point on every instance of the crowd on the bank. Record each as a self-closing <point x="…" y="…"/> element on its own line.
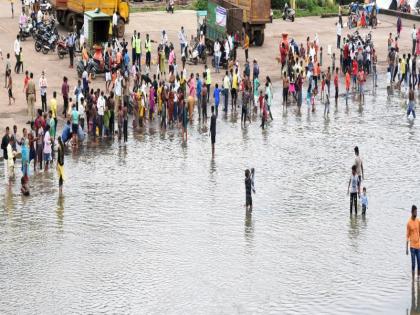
<point x="133" y="95"/>
<point x="139" y="93"/>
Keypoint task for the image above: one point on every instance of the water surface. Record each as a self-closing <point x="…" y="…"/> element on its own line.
<point x="159" y="227"/>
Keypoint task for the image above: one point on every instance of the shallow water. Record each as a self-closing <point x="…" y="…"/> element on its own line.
<point x="159" y="227"/>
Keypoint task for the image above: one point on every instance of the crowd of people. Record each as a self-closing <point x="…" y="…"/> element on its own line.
<point x="133" y="95"/>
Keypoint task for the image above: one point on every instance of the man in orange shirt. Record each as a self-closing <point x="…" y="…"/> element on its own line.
<point x="413" y="236"/>
<point x="347" y="85"/>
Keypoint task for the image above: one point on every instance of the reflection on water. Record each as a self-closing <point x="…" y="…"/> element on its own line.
<point x="156" y="226"/>
<point x="415" y="298"/>
<point x="60" y="211"/>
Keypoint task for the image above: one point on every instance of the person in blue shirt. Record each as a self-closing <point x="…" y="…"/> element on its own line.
<point x="126" y="61"/>
<point x="66" y="133"/>
<point x="216" y="96"/>
<point x="198" y="90"/>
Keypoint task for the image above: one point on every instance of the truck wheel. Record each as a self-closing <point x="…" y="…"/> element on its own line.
<point x="70" y="21"/>
<point x="259" y="38"/>
<point x="121" y="28"/>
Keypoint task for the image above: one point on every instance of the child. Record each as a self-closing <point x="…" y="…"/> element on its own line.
<point x="248" y="190"/>
<point x="322" y="86"/>
<point x="264" y="112"/>
<point x="20" y="67"/>
<point x="355" y="189"/>
<point x="309" y="97"/>
<point x="314" y="93"/>
<point x="9" y="89"/>
<point x="261" y="102"/>
<point x="24" y="189"/>
<point x="364" y="201"/>
<point x="216" y="96"/>
<point x="292" y="89"/>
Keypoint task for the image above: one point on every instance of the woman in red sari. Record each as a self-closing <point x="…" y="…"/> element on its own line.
<point x="363" y="20"/>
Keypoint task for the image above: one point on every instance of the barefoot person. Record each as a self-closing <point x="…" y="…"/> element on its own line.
<point x="60" y="165"/>
<point x="248" y="190"/>
<point x="212" y="130"/>
<point x="353" y="189"/>
<point x="413" y="237"/>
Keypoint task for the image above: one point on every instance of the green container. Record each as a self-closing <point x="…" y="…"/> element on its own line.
<point x="96" y="27"/>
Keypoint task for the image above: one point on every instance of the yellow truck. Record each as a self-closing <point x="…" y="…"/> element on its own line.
<point x="70" y="12"/>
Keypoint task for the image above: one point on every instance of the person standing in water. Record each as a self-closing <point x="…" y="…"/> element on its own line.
<point x="60" y="165"/>
<point x="354" y="183"/>
<point x="248" y="190"/>
<point x="213" y="131"/>
<point x="413" y="238"/>
<point x="411" y="103"/>
<point x="359" y="165"/>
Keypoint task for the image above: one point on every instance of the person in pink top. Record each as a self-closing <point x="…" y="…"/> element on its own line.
<point x="151" y="102"/>
<point x="171" y="59"/>
<point x="191" y="85"/>
<point x="47" y="147"/>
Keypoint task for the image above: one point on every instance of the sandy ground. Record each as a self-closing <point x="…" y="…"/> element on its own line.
<point x="153" y="23"/>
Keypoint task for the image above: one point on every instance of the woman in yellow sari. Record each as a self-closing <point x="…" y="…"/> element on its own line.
<point x="159" y="98"/>
<point x="142" y="108"/>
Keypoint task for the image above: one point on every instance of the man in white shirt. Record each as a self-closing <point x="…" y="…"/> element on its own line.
<point x="39" y="17"/>
<point x="114" y="25"/>
<point x="182" y="38"/>
<point x="226" y="89"/>
<point x="43" y="89"/>
<point x="118" y="89"/>
<point x="227" y="50"/>
<point x="414" y="39"/>
<point x="217" y="55"/>
<point x="339" y="32"/>
<point x="101" y="111"/>
<point x="16" y="49"/>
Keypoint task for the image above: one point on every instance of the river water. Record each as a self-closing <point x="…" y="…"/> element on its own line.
<point x="158" y="227"/>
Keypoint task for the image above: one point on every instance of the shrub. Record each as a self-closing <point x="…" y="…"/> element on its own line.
<point x="200" y="4"/>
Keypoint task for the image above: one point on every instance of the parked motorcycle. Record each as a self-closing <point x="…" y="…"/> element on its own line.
<point x="288" y="14"/>
<point x="25" y="31"/>
<point x="42" y="29"/>
<point x="50" y="44"/>
<point x="93" y="68"/>
<point x="62" y="48"/>
<point x="40" y="40"/>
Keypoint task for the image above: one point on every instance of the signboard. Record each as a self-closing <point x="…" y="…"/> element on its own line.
<point x="221" y="16"/>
